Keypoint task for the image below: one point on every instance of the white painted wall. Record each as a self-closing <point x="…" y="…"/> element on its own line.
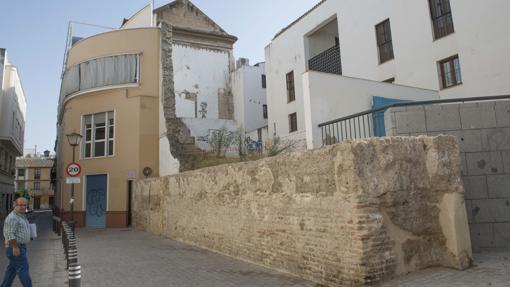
<point x="168" y="165"/>
<point x="12" y="108"/>
<point x="141" y="19"/>
<point x="200" y="72"/>
<point x="480" y="40"/>
<point x="328" y="97"/>
<point x="249" y="97"/>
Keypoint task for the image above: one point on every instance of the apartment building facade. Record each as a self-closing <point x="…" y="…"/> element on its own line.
<point x="434" y="45"/>
<point x="12" y="128"/>
<point x="33" y="173"/>
<point x="250" y="102"/>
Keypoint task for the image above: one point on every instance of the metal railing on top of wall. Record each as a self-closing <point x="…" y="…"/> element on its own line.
<point x="370" y="123"/>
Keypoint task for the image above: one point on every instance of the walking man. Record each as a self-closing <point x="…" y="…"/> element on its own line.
<point x="17" y="235"/>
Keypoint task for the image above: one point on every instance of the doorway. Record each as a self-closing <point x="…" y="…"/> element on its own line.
<point x="96" y="201"/>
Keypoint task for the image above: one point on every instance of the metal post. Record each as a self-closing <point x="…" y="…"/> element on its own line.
<point x="72" y="198"/>
<point x="74" y="275"/>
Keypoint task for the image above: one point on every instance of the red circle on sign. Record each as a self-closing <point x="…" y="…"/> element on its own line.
<point x="73" y="169"/>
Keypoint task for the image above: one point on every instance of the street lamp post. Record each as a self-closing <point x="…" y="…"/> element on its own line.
<point x="74" y="140"/>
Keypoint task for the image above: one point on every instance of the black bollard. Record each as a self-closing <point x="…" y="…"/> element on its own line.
<point x="74" y="275"/>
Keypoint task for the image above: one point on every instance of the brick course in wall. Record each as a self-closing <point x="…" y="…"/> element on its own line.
<point x="483" y="132"/>
<point x="346" y="215"/>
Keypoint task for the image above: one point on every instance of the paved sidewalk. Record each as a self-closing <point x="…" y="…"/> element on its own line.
<point x="133" y="258"/>
<point x="489" y="269"/>
<point x="45" y="255"/>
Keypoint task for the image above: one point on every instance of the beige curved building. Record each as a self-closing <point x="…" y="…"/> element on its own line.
<point x="110" y="94"/>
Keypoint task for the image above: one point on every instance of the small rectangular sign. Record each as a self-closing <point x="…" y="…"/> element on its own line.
<point x="71" y="180"/>
<point x="131" y="175"/>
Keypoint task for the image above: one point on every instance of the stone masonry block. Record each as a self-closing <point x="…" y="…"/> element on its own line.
<point x="475" y="187"/>
<point x="442" y="118"/>
<point x="506" y="161"/>
<point x="481" y="163"/>
<point x="503" y="113"/>
<point x="499" y="186"/>
<point x="496" y="139"/>
<point x="410" y="122"/>
<point x="502" y="234"/>
<point x="470" y="140"/>
<point x="482" y="235"/>
<point x="478" y="115"/>
<point x="491" y="210"/>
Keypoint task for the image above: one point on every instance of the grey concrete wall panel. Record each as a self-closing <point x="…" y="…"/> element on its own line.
<point x="469" y="208"/>
<point x="478" y="115"/>
<point x="482" y="235"/>
<point x="498" y="186"/>
<point x="410" y="122"/>
<point x="503" y="113"/>
<point x="501" y="234"/>
<point x="442" y="118"/>
<point x="490" y="210"/>
<point x="476" y="187"/>
<point x="496" y="139"/>
<point x="470" y="140"/>
<point x="506" y="161"/>
<point x="463" y="162"/>
<point x="481" y="163"/>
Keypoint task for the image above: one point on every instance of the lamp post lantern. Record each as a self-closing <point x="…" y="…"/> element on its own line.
<point x="74" y="140"/>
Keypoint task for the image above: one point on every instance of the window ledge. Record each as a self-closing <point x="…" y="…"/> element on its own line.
<point x="453" y="86"/>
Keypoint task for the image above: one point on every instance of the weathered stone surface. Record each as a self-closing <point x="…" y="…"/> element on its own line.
<point x="346" y="215"/>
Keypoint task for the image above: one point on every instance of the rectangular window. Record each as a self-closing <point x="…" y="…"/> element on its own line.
<point x="264" y="111"/>
<point x="37" y="185"/>
<point x="450" y="72"/>
<point x="21" y="172"/>
<point x="442" y="20"/>
<point x="99" y="133"/>
<point x="291" y="95"/>
<point x="384" y="43"/>
<point x="263" y="81"/>
<point x="37" y="174"/>
<point x="292" y="122"/>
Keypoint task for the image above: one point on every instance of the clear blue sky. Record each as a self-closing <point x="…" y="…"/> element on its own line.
<point x="34" y="34"/>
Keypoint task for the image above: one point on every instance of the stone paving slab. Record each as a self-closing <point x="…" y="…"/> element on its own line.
<point x="133" y="258"/>
<point x="490" y="268"/>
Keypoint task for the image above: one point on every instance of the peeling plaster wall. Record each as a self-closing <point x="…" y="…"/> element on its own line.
<point x="345" y="215"/>
<point x="199" y="75"/>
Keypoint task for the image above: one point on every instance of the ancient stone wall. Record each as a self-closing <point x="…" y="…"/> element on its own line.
<point x="346" y="215"/>
<point x="483" y="131"/>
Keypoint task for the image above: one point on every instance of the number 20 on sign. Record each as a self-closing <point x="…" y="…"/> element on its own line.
<point x="73" y="169"/>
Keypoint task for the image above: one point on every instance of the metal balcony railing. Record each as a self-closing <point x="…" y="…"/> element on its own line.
<point x="328" y="61"/>
<point x="370" y="123"/>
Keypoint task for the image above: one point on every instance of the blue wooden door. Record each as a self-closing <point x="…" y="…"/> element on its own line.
<point x="96" y="201"/>
<point x="378" y="117"/>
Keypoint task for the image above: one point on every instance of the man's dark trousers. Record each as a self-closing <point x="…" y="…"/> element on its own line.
<point x="17" y="265"/>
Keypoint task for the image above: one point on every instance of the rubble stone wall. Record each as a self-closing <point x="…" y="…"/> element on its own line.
<point x="345" y="215"/>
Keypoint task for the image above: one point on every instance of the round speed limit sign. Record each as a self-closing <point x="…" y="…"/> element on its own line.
<point x="73" y="169"/>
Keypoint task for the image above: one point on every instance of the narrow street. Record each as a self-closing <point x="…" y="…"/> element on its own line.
<point x="126" y="257"/>
<point x="45" y="255"/>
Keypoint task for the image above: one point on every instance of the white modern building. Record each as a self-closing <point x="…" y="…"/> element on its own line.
<point x="250" y="103"/>
<point x="12" y="128"/>
<point x="334" y="59"/>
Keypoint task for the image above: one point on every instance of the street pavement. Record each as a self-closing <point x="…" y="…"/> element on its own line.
<point x="126" y="257"/>
<point x="45" y="255"/>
